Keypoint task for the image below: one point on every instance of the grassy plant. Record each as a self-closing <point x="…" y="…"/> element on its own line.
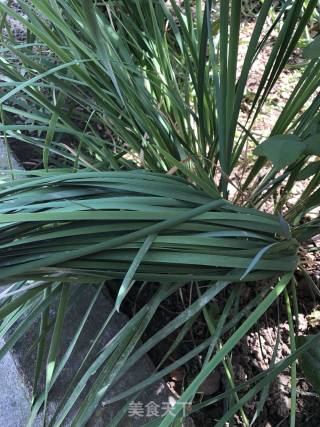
<point x="98" y="220"/>
<point x="103" y="91"/>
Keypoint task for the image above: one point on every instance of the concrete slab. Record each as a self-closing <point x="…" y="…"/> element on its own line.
<point x="158" y="393"/>
<point x="4" y="164"/>
<point x="14" y="402"/>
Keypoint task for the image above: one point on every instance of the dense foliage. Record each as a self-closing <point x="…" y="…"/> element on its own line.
<point x="150" y="173"/>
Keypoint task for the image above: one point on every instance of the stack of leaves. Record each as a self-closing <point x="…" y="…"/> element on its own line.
<point x="93" y="225"/>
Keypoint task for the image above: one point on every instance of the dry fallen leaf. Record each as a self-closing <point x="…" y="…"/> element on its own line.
<point x="212" y="383"/>
<point x="314" y="318"/>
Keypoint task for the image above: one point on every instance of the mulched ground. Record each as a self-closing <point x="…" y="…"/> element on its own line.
<point x="250" y="357"/>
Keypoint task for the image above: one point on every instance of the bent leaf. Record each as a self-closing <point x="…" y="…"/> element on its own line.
<point x="312" y="51"/>
<point x="281" y="150"/>
<point x="126" y="284"/>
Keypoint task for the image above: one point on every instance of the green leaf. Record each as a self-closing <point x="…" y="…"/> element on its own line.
<point x="56" y="339"/>
<point x="29" y="82"/>
<point x="313" y="145"/>
<point x="255" y="260"/>
<point x="310" y="361"/>
<point x="126" y="284"/>
<point x="312" y="51"/>
<point x="282" y="150"/>
<point x="310" y="170"/>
